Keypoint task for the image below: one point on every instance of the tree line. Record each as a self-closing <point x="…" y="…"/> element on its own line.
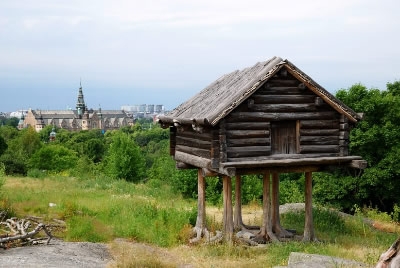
<point x="140" y="153"/>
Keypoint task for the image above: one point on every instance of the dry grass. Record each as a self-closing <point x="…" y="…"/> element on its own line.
<point x="133" y="254"/>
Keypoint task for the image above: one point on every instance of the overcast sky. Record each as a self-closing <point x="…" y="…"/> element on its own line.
<point x="162" y="52"/>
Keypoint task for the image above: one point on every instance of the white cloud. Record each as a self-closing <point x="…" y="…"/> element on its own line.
<point x="173" y="43"/>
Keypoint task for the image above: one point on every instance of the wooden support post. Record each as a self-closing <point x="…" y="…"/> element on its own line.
<point x="276" y="226"/>
<point x="266" y="228"/>
<point x="308" y="225"/>
<point x="276" y="222"/>
<point x="200" y="227"/>
<point x="228" y="213"/>
<point x="201" y="200"/>
<point x="238" y="220"/>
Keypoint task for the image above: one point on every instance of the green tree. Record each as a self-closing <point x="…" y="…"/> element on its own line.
<point x="3" y="145"/>
<point x="90" y="143"/>
<point x="9" y="132"/>
<point x="30" y="141"/>
<point x="53" y="157"/>
<point x="160" y="165"/>
<point x="20" y="148"/>
<point x="12" y="122"/>
<point x="377" y="139"/>
<point x="124" y="159"/>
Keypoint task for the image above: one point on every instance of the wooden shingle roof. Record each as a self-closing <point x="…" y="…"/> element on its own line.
<point x="217" y="100"/>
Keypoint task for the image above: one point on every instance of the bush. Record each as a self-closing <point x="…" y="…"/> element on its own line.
<point x="36" y="173"/>
<point x="6" y="210"/>
<point x="124" y="159"/>
<point x="185" y="182"/>
<point x="252" y="187"/>
<point x="53" y="157"/>
<point x="290" y="191"/>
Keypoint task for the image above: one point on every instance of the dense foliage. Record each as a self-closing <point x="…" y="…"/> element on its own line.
<point x="140" y="153"/>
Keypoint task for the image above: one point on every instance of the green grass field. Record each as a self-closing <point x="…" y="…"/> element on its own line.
<point x="101" y="210"/>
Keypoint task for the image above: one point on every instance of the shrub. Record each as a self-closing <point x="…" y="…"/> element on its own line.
<point x="36" y="173"/>
<point x="124" y="159"/>
<point x="53" y="157"/>
<point x="6" y="210"/>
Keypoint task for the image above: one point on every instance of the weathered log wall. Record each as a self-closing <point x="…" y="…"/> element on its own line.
<point x="282" y="119"/>
<point x="319" y="129"/>
<point x="191" y="142"/>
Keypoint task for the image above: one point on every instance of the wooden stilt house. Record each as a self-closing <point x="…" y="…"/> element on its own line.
<point x="266" y="119"/>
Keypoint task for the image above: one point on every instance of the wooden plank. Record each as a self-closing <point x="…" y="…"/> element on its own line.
<point x="344" y="126"/>
<point x="344" y="143"/>
<point x="172" y="140"/>
<point x="247" y="125"/>
<point x="292" y="162"/>
<point x="250" y="158"/>
<point x="281" y="90"/>
<point x="262" y="116"/>
<point x="205" y="136"/>
<point x="232" y="134"/>
<point x="192" y="160"/>
<point x="343" y="151"/>
<point x="343" y="119"/>
<point x="289" y="81"/>
<point x="286" y="169"/>
<point x="222" y="142"/>
<point x="181" y="165"/>
<point x="273" y="108"/>
<point x="194" y="151"/>
<point x="322" y="140"/>
<point x="215" y="147"/>
<point x="319" y="149"/>
<point x="318" y="101"/>
<point x="248" y="142"/>
<point x="195" y="143"/>
<point x="320" y="124"/>
<point x="344" y="135"/>
<point x="360" y="164"/>
<point x="282" y="99"/>
<point x="274" y="157"/>
<point x="251" y="151"/>
<point x="297" y="136"/>
<point x="319" y="132"/>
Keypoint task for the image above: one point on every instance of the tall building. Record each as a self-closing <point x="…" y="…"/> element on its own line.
<point x="81" y="118"/>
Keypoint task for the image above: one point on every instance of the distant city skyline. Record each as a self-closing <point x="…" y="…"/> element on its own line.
<point x="132" y="52"/>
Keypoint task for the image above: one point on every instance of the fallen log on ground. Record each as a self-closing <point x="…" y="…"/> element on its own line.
<point x="16" y="232"/>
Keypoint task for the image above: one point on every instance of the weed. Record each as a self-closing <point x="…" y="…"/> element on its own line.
<point x="85" y="228"/>
<point x="36" y="173"/>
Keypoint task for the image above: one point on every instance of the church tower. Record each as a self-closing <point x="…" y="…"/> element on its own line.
<point x="80" y="104"/>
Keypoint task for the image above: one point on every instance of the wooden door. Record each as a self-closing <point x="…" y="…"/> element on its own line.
<point x="283" y="137"/>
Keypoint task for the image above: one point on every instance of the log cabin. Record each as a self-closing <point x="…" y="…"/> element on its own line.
<point x="266" y="119"/>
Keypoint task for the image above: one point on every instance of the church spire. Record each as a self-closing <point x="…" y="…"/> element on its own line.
<point x="80" y="104"/>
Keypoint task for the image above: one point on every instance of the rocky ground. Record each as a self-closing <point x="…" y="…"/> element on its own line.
<point x="57" y="254"/>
